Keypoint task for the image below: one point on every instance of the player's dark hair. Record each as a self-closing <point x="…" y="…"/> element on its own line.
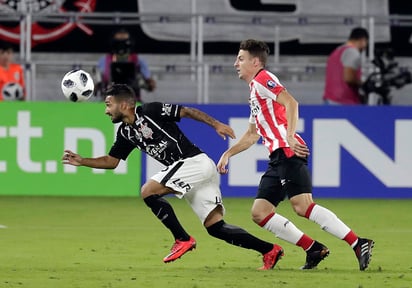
<point x="4" y="45"/>
<point x="121" y="92"/>
<point x="359" y="33"/>
<point x="256" y="48"/>
<point x="121" y="46"/>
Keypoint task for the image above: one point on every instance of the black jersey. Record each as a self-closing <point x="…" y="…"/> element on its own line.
<point x="156" y="133"/>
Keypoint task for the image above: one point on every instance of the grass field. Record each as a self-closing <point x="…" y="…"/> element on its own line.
<point x="117" y="242"/>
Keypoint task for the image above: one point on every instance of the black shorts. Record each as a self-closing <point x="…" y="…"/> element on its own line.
<point x="284" y="177"/>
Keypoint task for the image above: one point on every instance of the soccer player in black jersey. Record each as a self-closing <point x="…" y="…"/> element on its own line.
<point x="189" y="172"/>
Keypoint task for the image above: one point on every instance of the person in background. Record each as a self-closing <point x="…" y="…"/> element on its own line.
<point x="343" y="70"/>
<point x="123" y="66"/>
<point x="12" y="85"/>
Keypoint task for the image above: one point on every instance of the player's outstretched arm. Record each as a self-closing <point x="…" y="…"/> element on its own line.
<point x="222" y="129"/>
<point x="104" y="162"/>
<point x="248" y="139"/>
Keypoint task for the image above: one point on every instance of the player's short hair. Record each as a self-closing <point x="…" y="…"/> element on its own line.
<point x="256" y="48"/>
<point x="121" y="92"/>
<point x="121" y="30"/>
<point x="121" y="46"/>
<point x="359" y="33"/>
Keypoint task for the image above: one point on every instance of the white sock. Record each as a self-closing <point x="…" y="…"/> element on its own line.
<point x="329" y="222"/>
<point x="283" y="229"/>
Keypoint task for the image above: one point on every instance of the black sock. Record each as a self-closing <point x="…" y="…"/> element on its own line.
<point x="164" y="211"/>
<point x="237" y="236"/>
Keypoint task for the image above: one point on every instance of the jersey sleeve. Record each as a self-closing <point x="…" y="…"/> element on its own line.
<point x="351" y="58"/>
<point x="162" y="111"/>
<point x="268" y="85"/>
<point x="121" y="148"/>
<point x="144" y="68"/>
<point x="101" y="64"/>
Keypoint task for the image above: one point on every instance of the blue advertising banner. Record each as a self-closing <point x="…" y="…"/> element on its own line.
<point x="356" y="152"/>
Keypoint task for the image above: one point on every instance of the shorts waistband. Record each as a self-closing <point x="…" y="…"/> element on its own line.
<point x="277" y="155"/>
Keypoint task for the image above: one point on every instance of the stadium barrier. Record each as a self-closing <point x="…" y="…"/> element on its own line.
<point x="356" y="152"/>
<point x="33" y="137"/>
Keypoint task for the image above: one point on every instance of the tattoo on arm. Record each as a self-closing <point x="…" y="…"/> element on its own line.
<point x="199" y="116"/>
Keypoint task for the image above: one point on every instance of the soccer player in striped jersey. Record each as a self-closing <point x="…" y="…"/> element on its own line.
<point x="274" y="116"/>
<point x="189" y="173"/>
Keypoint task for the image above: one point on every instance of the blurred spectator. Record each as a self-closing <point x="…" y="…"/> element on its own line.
<point x="11" y="75"/>
<point x="123" y="66"/>
<point x="343" y="70"/>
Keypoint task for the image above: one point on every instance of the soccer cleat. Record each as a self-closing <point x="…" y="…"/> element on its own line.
<point x="180" y="248"/>
<point x="314" y="255"/>
<point x="272" y="257"/>
<point x="363" y="251"/>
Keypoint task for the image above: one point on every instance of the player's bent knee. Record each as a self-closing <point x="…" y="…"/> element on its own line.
<point x="154" y="188"/>
<point x="261" y="209"/>
<point x="144" y="192"/>
<point x="258" y="216"/>
<point x="300" y="210"/>
<point x="260" y="213"/>
<point x="214" y="216"/>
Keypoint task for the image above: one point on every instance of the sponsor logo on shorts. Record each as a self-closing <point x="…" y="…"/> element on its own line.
<point x="181" y="184"/>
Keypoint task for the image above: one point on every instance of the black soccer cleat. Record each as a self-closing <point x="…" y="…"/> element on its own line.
<point x="363" y="251"/>
<point x="314" y="255"/>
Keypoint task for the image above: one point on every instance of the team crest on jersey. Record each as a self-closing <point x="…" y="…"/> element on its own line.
<point x="271" y="84"/>
<point x="147" y="132"/>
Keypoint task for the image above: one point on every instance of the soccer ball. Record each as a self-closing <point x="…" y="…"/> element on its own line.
<point x="77" y="85"/>
<point x="12" y="91"/>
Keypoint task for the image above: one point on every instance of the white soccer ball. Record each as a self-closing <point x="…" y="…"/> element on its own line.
<point x="12" y="91"/>
<point x="77" y="85"/>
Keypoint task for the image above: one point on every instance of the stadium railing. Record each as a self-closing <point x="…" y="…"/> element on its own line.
<point x="198" y="68"/>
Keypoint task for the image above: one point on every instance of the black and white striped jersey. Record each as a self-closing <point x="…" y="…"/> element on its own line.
<point x="156" y="133"/>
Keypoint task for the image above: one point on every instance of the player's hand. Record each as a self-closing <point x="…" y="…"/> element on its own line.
<point x="151" y="84"/>
<point x="224" y="130"/>
<point x="221" y="165"/>
<point x="71" y="158"/>
<point x="300" y="150"/>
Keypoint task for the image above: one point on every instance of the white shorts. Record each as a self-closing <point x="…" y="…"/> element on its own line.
<point x="196" y="179"/>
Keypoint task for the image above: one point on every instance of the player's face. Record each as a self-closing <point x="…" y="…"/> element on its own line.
<point x="363" y="43"/>
<point x="245" y="65"/>
<point x="113" y="110"/>
<point x="121" y="36"/>
<point x="6" y="57"/>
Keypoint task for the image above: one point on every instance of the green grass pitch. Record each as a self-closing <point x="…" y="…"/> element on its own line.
<point x="117" y="242"/>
